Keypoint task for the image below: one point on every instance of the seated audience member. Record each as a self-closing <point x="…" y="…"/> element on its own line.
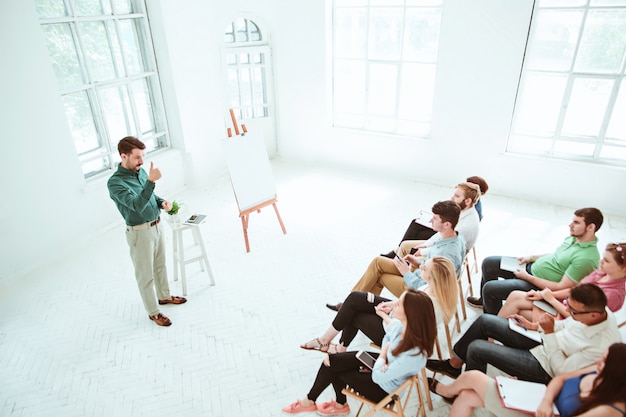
<point x="396" y="275"/>
<point x="465" y="195"/>
<point x="610" y="277"/>
<point x="596" y="390"/>
<point x="409" y="341"/>
<point x="371" y="313"/>
<point x="572" y="261"/>
<point x="568" y="344"/>
<point x="484" y="187"/>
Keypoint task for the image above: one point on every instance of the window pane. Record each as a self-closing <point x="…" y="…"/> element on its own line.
<point x="349" y="86"/>
<point x="554" y="39"/>
<point x="561" y="3"/>
<point x="50" y="8"/>
<point x="617" y="153"/>
<point x="130" y="46"/>
<point x="416" y="91"/>
<point x="97" y="50"/>
<point x="143" y="104"/>
<point x="617" y="125"/>
<point x="421" y="40"/>
<point x="341" y="3"/>
<point x="258" y="83"/>
<point x="587" y="106"/>
<point x="122" y="6"/>
<point x="245" y="87"/>
<point x="118" y="117"/>
<point x="63" y="54"/>
<point x="603" y="41"/>
<point x="80" y="120"/>
<point x="384" y="35"/>
<point x="530" y="144"/>
<point x="423" y="2"/>
<point x="574" y="148"/>
<point x="241" y="31"/>
<point x="608" y="2"/>
<point x="539" y="103"/>
<point x="91" y="7"/>
<point x="350" y="33"/>
<point x="382" y="89"/>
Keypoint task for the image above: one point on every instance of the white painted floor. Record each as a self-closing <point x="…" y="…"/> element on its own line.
<point x="75" y="340"/>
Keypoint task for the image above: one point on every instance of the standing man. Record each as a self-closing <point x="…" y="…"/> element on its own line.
<point x="132" y="190"/>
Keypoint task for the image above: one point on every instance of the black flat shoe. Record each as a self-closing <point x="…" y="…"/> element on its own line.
<point x="334" y="307"/>
<point x="432" y="386"/>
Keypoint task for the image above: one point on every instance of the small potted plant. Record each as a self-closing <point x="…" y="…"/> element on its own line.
<point x="173" y="212"/>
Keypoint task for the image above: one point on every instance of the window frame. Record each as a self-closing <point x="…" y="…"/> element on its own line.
<point x="553" y="145"/>
<point x="103" y="149"/>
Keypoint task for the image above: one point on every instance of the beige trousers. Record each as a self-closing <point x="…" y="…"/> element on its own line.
<point x="147" y="250"/>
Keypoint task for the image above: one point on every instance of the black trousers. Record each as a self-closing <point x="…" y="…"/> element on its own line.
<point x="344" y="370"/>
<point x="357" y="313"/>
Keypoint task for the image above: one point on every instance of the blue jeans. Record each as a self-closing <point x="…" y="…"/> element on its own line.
<point x="493" y="290"/>
<point x="514" y="357"/>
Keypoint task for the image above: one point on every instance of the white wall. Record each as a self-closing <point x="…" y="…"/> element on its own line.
<point x="48" y="208"/>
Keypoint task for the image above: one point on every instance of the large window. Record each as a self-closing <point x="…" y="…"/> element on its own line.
<point x="247" y="68"/>
<point x="572" y="97"/>
<point x="102" y="55"/>
<point x="384" y="62"/>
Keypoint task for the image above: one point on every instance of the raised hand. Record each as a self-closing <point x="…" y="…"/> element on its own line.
<point x="154" y="174"/>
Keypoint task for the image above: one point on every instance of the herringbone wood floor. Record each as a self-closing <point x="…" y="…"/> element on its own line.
<point x="75" y="340"/>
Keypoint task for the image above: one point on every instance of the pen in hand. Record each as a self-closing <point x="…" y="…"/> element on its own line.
<point x="521" y="324"/>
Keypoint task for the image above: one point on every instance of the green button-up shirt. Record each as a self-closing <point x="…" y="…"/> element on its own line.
<point x="134" y="196"/>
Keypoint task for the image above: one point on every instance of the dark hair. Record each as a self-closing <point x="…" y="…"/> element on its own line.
<point x="480" y="181"/>
<point x="618" y="251"/>
<point x="421" y="323"/>
<point x="591" y="215"/>
<point x="126" y="145"/>
<point x="590" y="295"/>
<point x="448" y="210"/>
<point x="608" y="387"/>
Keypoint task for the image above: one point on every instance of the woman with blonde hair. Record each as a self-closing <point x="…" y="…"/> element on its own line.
<point x="370" y="313"/>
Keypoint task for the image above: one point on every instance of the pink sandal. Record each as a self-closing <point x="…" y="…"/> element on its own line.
<point x="297" y="407"/>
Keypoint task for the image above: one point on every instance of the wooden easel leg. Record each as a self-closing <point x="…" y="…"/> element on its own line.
<point x="244" y="223"/>
<point x="282" y="226"/>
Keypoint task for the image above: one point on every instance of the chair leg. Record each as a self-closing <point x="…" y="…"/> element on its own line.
<point x="469" y="277"/>
<point x="475" y="259"/>
<point x="429" y="401"/>
<point x="461" y="300"/>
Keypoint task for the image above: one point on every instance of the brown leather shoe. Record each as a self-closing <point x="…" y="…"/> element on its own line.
<point x="173" y="300"/>
<point x="161" y="320"/>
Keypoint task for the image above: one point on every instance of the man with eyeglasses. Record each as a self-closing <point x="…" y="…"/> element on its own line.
<point x="568" y="344"/>
<point x="576" y="258"/>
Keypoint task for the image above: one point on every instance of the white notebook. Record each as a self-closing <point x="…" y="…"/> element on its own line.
<point x="520" y="395"/>
<point x="510" y="263"/>
<point x="531" y="334"/>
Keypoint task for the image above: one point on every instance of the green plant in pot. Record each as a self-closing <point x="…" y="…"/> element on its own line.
<point x="175" y="208"/>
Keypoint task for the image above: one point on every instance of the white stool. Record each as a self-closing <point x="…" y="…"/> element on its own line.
<point x="180" y="261"/>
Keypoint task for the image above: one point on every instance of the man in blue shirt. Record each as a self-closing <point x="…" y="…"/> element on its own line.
<point x="132" y="190"/>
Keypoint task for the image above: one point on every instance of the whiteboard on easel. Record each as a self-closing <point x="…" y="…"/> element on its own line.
<point x="250" y="170"/>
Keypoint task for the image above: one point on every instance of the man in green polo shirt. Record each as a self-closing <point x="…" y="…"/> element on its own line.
<point x="576" y="258"/>
<point x="132" y="190"/>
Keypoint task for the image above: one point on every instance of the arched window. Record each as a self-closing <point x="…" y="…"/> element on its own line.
<point x="247" y="69"/>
